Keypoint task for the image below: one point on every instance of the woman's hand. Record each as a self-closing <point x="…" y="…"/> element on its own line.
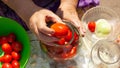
<point x="68" y="12"/>
<point x="38" y="24"/>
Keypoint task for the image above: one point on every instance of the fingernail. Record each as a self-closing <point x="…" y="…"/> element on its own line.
<point x="52" y="31"/>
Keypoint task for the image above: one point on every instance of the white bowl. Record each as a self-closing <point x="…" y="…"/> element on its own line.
<point x="100" y="12"/>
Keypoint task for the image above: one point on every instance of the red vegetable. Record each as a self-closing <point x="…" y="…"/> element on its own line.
<point x="15" y="55"/>
<point x="60" y="29"/>
<point x="91" y="26"/>
<point x="69" y="36"/>
<point x="11" y="37"/>
<point x="3" y="39"/>
<point x="6" y="65"/>
<point x="1" y="59"/>
<point x="7" y="58"/>
<point x="15" y="64"/>
<point x="17" y="46"/>
<point x="61" y="41"/>
<point x="6" y="47"/>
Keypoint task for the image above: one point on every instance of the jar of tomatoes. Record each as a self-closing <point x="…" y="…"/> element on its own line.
<point x="68" y="45"/>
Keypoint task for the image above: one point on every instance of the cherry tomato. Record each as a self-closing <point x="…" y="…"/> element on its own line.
<point x="73" y="50"/>
<point x="15" y="64"/>
<point x="70" y="54"/>
<point x="76" y="37"/>
<point x="17" y="46"/>
<point x="91" y="26"/>
<point x="6" y="47"/>
<point x="68" y="46"/>
<point x="6" y="65"/>
<point x="69" y="36"/>
<point x="3" y="39"/>
<point x="1" y="59"/>
<point x="60" y="29"/>
<point x="64" y="55"/>
<point x="15" y="55"/>
<point x="7" y="58"/>
<point x="11" y="37"/>
<point x="55" y="50"/>
<point x="61" y="41"/>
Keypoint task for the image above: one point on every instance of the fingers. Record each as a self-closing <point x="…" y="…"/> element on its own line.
<point x="82" y="31"/>
<point x="42" y="24"/>
<point x="42" y="27"/>
<point x="46" y="39"/>
<point x="53" y="18"/>
<point x="80" y="27"/>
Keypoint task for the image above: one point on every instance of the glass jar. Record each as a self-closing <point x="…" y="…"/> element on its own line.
<point x="67" y="51"/>
<point x="105" y="51"/>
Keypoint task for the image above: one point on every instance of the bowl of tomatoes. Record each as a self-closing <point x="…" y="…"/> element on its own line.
<point x="67" y="46"/>
<point x="100" y="23"/>
<point x="14" y="44"/>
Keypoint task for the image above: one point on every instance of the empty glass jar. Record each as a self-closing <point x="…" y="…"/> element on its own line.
<point x="105" y="51"/>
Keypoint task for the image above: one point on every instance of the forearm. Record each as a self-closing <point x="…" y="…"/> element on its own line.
<point x="24" y="8"/>
<point x="68" y="6"/>
<point x="71" y="3"/>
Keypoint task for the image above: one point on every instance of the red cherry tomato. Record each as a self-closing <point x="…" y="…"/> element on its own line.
<point x="91" y="26"/>
<point x="7" y="58"/>
<point x="61" y="41"/>
<point x="15" y="64"/>
<point x="73" y="50"/>
<point x="15" y="55"/>
<point x="17" y="46"/>
<point x="68" y="48"/>
<point x="76" y="38"/>
<point x="69" y="36"/>
<point x="60" y="29"/>
<point x="1" y="59"/>
<point x="11" y="37"/>
<point x="6" y="47"/>
<point x="6" y="65"/>
<point x="3" y="39"/>
<point x="70" y="54"/>
<point x="64" y="55"/>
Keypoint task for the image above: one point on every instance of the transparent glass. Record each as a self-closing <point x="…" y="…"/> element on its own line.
<point x="100" y="12"/>
<point x="105" y="51"/>
<point x="64" y="52"/>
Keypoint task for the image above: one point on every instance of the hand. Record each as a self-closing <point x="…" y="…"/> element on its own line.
<point x="38" y="25"/>
<point x="69" y="13"/>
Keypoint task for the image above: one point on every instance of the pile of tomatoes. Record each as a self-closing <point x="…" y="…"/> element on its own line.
<point x="11" y="48"/>
<point x="64" y="34"/>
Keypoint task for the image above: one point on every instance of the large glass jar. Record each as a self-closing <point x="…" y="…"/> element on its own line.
<point x="67" y="51"/>
<point x="105" y="52"/>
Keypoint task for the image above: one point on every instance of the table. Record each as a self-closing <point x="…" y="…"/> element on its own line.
<point x="38" y="60"/>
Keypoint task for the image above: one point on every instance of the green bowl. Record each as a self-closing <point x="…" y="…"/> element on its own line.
<point x="10" y="26"/>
